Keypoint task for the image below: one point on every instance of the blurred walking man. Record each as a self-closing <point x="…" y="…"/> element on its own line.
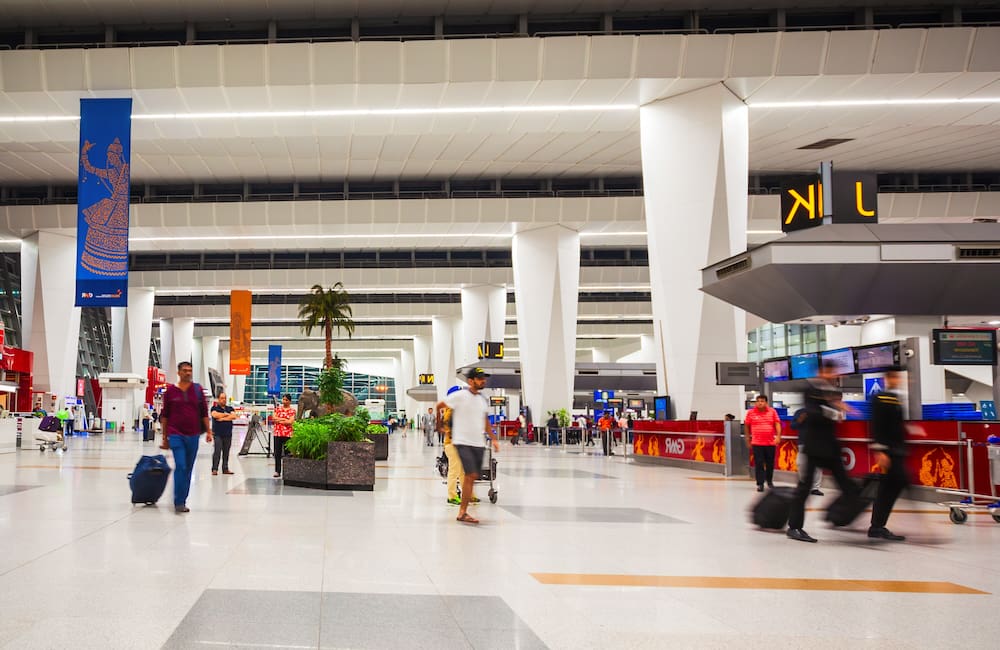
<point x="183" y="419"/>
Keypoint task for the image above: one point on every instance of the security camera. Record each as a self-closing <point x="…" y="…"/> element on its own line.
<point x="909" y="353"/>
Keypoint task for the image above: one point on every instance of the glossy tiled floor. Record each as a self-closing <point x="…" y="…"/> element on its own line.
<point x="580" y="552"/>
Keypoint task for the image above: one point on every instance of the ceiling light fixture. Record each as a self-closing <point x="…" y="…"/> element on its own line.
<point x="499" y="235"/>
<point x="860" y="103"/>
<point x="346" y="112"/>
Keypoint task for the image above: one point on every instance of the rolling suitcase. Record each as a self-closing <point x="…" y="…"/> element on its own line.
<point x="845" y="509"/>
<point x="772" y="510"/>
<point x="149" y="479"/>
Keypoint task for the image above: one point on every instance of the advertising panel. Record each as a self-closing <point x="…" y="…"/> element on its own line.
<point x="240" y="305"/>
<point x="103" y="203"/>
<point x="702" y="448"/>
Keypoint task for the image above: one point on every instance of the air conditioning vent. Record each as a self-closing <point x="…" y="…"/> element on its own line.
<point x="740" y="265"/>
<point x="978" y="253"/>
<point x="589" y="372"/>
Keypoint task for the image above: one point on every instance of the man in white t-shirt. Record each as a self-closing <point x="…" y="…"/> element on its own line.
<point x="469" y="421"/>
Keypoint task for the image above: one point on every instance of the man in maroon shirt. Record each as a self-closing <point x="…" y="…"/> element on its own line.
<point x="184" y="418"/>
<point x="764" y="432"/>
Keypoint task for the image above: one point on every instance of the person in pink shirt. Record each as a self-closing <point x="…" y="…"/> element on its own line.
<point x="764" y="432"/>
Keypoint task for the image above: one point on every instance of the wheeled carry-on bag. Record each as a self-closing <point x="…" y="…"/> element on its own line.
<point x="149" y="479"/>
<point x="845" y="509"/>
<point x="50" y="424"/>
<point x="772" y="510"/>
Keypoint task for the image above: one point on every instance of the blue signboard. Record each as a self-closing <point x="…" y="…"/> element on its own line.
<point x="102" y="203"/>
<point x="603" y="395"/>
<point x="274" y="370"/>
<point x="874" y="386"/>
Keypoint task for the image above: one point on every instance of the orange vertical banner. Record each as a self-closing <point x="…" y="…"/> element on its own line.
<point x="240" y="303"/>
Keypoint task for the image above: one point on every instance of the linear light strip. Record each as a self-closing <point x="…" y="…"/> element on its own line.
<point x="851" y="103"/>
<point x="346" y="112"/>
<point x="302" y="291"/>
<point x="499" y="235"/>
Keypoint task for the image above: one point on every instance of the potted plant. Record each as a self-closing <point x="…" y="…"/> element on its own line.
<point x="331" y="453"/>
<point x="329" y="309"/>
<point x="377" y="433"/>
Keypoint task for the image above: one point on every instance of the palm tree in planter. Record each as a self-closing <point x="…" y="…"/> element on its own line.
<point x="329" y="309"/>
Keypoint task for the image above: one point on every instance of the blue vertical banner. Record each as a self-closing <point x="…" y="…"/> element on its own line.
<point x="274" y="370"/>
<point x="102" y="203"/>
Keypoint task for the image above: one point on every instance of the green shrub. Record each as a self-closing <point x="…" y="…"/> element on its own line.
<point x="376" y="428"/>
<point x="362" y="414"/>
<point x="330" y="382"/>
<point x="310" y="437"/>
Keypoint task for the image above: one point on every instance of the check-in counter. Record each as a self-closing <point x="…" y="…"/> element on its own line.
<point x="937" y="459"/>
<point x="9" y="430"/>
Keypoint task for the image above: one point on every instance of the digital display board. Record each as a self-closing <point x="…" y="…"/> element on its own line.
<point x="842" y="359"/>
<point x="877" y="358"/>
<point x="634" y="403"/>
<point x="965" y="347"/>
<point x="498" y="400"/>
<point x="661" y="407"/>
<point x="603" y="395"/>
<point x="804" y="366"/>
<point x="776" y="370"/>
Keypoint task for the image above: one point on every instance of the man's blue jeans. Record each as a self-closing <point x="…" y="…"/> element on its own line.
<point x="185" y="450"/>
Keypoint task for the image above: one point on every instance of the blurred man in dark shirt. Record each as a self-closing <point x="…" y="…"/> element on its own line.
<point x="889" y="432"/>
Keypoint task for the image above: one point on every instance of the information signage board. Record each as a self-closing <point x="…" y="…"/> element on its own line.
<point x="964" y="347"/>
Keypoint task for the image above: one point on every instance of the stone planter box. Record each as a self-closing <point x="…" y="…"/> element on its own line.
<point x="348" y="466"/>
<point x="381" y="441"/>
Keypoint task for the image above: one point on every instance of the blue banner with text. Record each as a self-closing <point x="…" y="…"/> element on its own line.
<point x="102" y="203"/>
<point x="274" y="370"/>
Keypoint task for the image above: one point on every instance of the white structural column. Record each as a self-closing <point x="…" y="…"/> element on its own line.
<point x="50" y="322"/>
<point x="443" y="330"/>
<point x="138" y="329"/>
<point x="932" y="385"/>
<point x="397" y="376"/>
<point x="118" y="338"/>
<point x="209" y="358"/>
<point x="176" y="344"/>
<point x="484" y="317"/>
<point x="645" y="354"/>
<point x="694" y="166"/>
<point x="546" y="291"/>
<point x="407" y="380"/>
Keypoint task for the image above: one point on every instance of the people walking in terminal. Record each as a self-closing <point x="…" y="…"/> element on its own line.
<point x="469" y="421"/>
<point x="604" y="425"/>
<point x="222" y="430"/>
<point x="764" y="426"/>
<point x="455" y="472"/>
<point x="522" y="429"/>
<point x="427" y="426"/>
<point x="284" y="417"/>
<point x="183" y="419"/>
<point x="553" y="429"/>
<point x="585" y="428"/>
<point x="889" y="433"/>
<point x="801" y="458"/>
<point x="824" y="408"/>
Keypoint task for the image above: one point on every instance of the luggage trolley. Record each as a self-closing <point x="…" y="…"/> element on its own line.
<point x="487" y="473"/>
<point x="958" y="511"/>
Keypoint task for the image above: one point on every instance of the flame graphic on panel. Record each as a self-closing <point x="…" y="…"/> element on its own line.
<point x="947" y="472"/>
<point x="697" y="455"/>
<point x="638" y="443"/>
<point x="788" y="454"/>
<point x="928" y="473"/>
<point x="654" y="446"/>
<point x="719" y="452"/>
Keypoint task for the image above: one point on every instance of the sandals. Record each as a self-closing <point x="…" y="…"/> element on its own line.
<point x="467" y="519"/>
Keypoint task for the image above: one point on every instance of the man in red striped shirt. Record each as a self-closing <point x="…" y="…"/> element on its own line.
<point x="764" y="431"/>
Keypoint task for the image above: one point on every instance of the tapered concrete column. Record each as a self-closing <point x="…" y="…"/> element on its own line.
<point x="444" y="331"/>
<point x="546" y="291"/>
<point x="176" y="344"/>
<point x="408" y="379"/>
<point x="695" y="164"/>
<point x="484" y="314"/>
<point x="50" y="324"/>
<point x="397" y="376"/>
<point x="932" y="385"/>
<point x="209" y="359"/>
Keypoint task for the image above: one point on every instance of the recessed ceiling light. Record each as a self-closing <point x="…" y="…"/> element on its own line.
<point x="994" y="322"/>
<point x="849" y="103"/>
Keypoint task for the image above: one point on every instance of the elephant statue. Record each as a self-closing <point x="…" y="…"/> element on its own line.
<point x="309" y="401"/>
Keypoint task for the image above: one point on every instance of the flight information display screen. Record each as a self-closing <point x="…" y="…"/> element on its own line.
<point x="776" y="370"/>
<point x="842" y="359"/>
<point x="965" y="347"/>
<point x="804" y="366"/>
<point x="877" y="358"/>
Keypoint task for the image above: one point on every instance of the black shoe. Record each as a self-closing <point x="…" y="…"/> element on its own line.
<point x="885" y="533"/>
<point x="800" y="535"/>
<point x="182" y="509"/>
<point x="770" y="484"/>
<point x="816" y="493"/>
<point x="760" y="488"/>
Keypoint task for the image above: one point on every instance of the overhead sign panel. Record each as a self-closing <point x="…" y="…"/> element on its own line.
<point x="965" y="347"/>
<point x="801" y="203"/>
<point x="855" y="197"/>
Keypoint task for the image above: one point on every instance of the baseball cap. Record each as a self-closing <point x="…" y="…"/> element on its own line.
<point x="476" y="373"/>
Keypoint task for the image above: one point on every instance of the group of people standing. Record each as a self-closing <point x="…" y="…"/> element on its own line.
<point x="819" y="449"/>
